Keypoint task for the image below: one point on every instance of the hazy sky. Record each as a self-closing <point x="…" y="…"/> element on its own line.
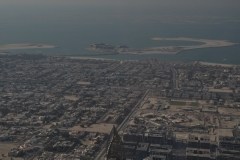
<point x="132" y="10"/>
<point x="184" y="6"/>
<point x="234" y="4"/>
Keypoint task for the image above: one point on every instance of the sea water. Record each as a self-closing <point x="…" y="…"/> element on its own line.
<point x="73" y="27"/>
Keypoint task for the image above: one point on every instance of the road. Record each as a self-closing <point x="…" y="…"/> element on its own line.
<point x="133" y="111"/>
<point x="175" y="79"/>
<point x="100" y="155"/>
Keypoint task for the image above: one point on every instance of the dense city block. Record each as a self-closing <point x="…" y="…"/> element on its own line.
<point x="76" y="108"/>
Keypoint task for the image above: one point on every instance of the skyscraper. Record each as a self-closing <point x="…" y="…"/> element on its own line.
<point x="115" y="147"/>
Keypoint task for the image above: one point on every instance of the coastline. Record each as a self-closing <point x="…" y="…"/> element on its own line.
<point x="90" y="58"/>
<point x="217" y="64"/>
<point x="167" y="50"/>
<point x="206" y="43"/>
<point x="17" y="46"/>
<point x="199" y="62"/>
<point x="99" y="59"/>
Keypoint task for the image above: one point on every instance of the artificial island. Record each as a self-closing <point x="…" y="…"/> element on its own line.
<point x="174" y="49"/>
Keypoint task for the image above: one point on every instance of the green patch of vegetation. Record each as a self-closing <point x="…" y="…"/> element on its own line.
<point x="194" y="104"/>
<point x="177" y="103"/>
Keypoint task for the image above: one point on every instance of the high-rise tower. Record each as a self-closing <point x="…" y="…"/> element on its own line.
<point x="115" y="147"/>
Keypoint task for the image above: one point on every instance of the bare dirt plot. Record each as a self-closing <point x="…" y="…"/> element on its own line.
<point x="71" y="98"/>
<point x="183" y="103"/>
<point x="178" y="103"/>
<point x="181" y="135"/>
<point x="5" y="148"/>
<point x="83" y="83"/>
<point x="228" y="122"/>
<point x="96" y="128"/>
<point x="177" y="108"/>
<point x="228" y="111"/>
<point x="224" y="132"/>
<point x="150" y="103"/>
<point x="222" y="90"/>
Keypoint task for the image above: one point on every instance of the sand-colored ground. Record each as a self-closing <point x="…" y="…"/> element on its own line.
<point x="217" y="64"/>
<point x="177" y="108"/>
<point x="222" y="90"/>
<point x="91" y="58"/>
<point x="229" y="111"/>
<point x="181" y="135"/>
<point x="96" y="128"/>
<point x="5" y="148"/>
<point x="71" y="97"/>
<point x="224" y="132"/>
<point x="189" y="113"/>
<point x="25" y="46"/>
<point x="228" y="124"/>
<point x="206" y="43"/>
<point x="83" y="83"/>
<point x="185" y="135"/>
<point x="174" y="49"/>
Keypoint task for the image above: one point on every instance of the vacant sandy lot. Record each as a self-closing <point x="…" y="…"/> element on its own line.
<point x="224" y="132"/>
<point x="83" y="83"/>
<point x="222" y="90"/>
<point x="229" y="111"/>
<point x="96" y="128"/>
<point x="71" y="97"/>
<point x="5" y="148"/>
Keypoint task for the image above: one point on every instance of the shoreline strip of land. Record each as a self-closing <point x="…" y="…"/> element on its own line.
<point x="17" y="46"/>
<point x="168" y="50"/>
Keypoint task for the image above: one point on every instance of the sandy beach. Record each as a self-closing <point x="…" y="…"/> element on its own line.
<point x="17" y="46"/>
<point x="205" y="43"/>
<point x="3" y="53"/>
<point x="174" y="49"/>
<point x="217" y="64"/>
